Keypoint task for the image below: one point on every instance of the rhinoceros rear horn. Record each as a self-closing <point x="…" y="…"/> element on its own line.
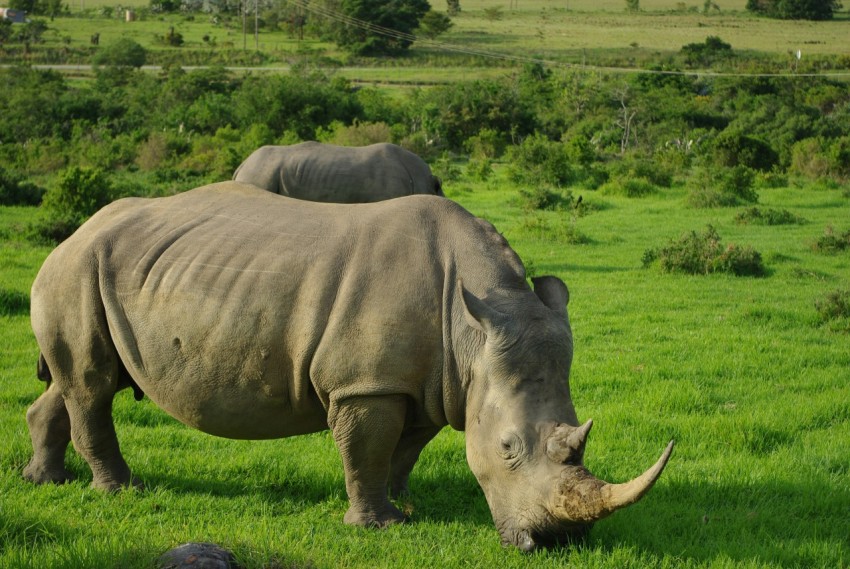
<point x="584" y="498"/>
<point x="553" y="293"/>
<point x="566" y="444"/>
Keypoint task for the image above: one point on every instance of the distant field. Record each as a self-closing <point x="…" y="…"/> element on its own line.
<point x="580" y="30"/>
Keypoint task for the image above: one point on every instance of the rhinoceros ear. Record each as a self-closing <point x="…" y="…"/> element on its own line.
<point x="553" y="293"/>
<point x="477" y="313"/>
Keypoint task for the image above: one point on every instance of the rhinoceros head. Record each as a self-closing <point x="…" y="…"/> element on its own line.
<point x="524" y="443"/>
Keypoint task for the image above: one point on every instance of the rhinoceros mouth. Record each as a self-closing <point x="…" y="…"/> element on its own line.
<point x="547" y="534"/>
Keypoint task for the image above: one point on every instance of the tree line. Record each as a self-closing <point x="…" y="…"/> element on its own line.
<point x="164" y="132"/>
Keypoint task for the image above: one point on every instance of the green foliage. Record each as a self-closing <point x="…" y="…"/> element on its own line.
<point x="124" y="52"/>
<point x="480" y="169"/>
<point x="719" y="187"/>
<point x="434" y="24"/>
<point x="15" y="190"/>
<point x="795" y="9"/>
<point x="400" y="16"/>
<point x="734" y="148"/>
<point x="834" y="309"/>
<point x="703" y="253"/>
<point x="13" y="302"/>
<point x="831" y="242"/>
<point x="540" y="161"/>
<point x="768" y="216"/>
<point x="540" y="226"/>
<point x="78" y="194"/>
<point x="542" y="198"/>
<point x="628" y="187"/>
<point x="712" y="50"/>
<point x="822" y="158"/>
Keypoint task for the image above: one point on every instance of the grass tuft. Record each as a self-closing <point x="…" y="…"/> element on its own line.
<point x="831" y="242"/>
<point x="768" y="216"/>
<point x="13" y="302"/>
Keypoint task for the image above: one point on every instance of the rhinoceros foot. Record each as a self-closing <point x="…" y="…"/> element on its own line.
<point x="374" y="519"/>
<point x="40" y="473"/>
<point x="113" y="486"/>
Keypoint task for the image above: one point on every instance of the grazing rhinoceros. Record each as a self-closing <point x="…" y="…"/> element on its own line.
<point x="249" y="315"/>
<point x="338" y="174"/>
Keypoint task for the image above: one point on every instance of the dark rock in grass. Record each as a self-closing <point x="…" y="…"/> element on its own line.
<point x="197" y="556"/>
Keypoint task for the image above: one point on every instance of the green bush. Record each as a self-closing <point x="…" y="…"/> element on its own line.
<point x="734" y="148"/>
<point x="540" y="161"/>
<point x="542" y="198"/>
<point x="831" y="242"/>
<point x="704" y="253"/>
<point x="479" y="169"/>
<point x="16" y="191"/>
<point x="124" y="52"/>
<point x="78" y="194"/>
<point x="723" y="187"/>
<point x="768" y="216"/>
<point x="834" y="308"/>
<point x="632" y="188"/>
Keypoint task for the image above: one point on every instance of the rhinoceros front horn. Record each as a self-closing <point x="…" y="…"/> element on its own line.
<point x="583" y="499"/>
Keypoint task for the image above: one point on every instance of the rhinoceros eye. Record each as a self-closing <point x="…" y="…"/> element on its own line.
<point x="510" y="446"/>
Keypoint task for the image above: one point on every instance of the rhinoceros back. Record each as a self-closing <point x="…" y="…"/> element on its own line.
<point x="229" y="298"/>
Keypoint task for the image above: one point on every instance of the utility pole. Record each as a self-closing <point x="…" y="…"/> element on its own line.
<point x="257" y="25"/>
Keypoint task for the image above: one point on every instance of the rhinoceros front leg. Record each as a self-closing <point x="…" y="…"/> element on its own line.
<point x="50" y="431"/>
<point x="366" y="430"/>
<point x="405" y="456"/>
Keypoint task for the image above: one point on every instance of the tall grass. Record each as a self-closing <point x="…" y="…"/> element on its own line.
<point x="742" y="372"/>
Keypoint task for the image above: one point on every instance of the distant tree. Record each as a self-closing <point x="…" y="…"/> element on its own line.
<point x="31" y="33"/>
<point x="453" y="7"/>
<point x="433" y="24"/>
<point x="5" y="31"/>
<point x="795" y="9"/>
<point x="633" y="5"/>
<point x="377" y="27"/>
<point x="124" y="52"/>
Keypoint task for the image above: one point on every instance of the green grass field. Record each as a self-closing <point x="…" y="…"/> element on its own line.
<point x="578" y="32"/>
<point x="739" y="371"/>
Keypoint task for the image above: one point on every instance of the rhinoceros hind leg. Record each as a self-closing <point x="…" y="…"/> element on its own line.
<point x="93" y="433"/>
<point x="405" y="456"/>
<point x="50" y="431"/>
<point x="366" y="431"/>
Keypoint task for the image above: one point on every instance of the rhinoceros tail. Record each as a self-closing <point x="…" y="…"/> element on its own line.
<point x="43" y="371"/>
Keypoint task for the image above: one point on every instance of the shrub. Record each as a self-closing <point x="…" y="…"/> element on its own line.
<point x="79" y="193"/>
<point x="124" y="52"/>
<point x="834" y="307"/>
<point x="541" y="198"/>
<point x="769" y="216"/>
<point x="538" y="160"/>
<point x="734" y="148"/>
<point x="357" y="134"/>
<point x="16" y="191"/>
<point x="479" y="169"/>
<point x="723" y="187"/>
<point x="632" y="188"/>
<point x="703" y="253"/>
<point x="831" y="243"/>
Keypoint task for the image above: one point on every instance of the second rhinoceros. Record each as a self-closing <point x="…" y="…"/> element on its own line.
<point x="339" y="174"/>
<point x="253" y="316"/>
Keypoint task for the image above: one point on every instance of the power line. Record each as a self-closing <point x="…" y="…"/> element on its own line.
<point x="339" y="17"/>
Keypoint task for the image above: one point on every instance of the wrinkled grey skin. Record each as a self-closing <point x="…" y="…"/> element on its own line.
<point x="253" y="316"/>
<point x="338" y="174"/>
